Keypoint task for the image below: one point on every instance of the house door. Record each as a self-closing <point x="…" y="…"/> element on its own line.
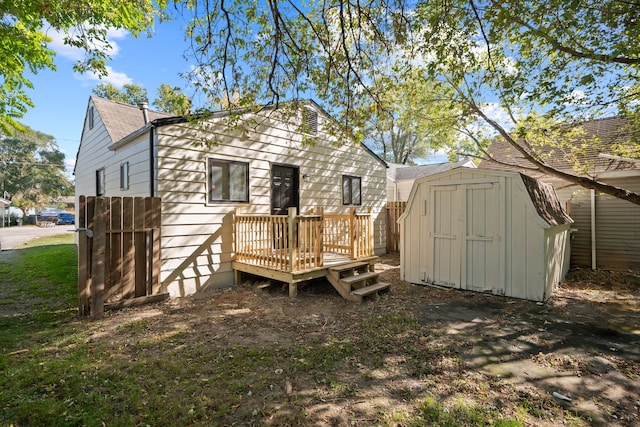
<point x="284" y="189"/>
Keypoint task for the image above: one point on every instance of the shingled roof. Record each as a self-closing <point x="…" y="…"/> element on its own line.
<point x="399" y="172"/>
<point x="121" y="119"/>
<point x="546" y="201"/>
<point x="600" y="155"/>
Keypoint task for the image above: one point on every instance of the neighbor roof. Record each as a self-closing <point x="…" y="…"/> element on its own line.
<point x="405" y="172"/>
<point x="601" y="155"/>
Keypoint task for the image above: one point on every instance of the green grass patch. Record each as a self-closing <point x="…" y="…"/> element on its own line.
<point x="433" y="413"/>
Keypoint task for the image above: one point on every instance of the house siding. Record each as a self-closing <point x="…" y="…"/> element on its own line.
<point x="617" y="224"/>
<point x="197" y="235"/>
<point x="94" y="154"/>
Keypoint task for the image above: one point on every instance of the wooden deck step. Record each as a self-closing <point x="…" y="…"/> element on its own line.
<point x="371" y="289"/>
<point x="350" y="266"/>
<point x="359" y="277"/>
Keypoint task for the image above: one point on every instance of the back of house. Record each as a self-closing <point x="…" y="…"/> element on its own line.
<point x="207" y="171"/>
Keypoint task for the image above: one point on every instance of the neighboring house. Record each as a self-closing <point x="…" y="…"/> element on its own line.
<point x="400" y="178"/>
<point x="606" y="231"/>
<point x="207" y="173"/>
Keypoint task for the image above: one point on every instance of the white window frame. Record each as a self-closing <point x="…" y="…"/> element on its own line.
<point x="124" y="176"/>
<point x="347" y="198"/>
<point x="226" y="181"/>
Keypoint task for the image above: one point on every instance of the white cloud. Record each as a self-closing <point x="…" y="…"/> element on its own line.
<point x="75" y="54"/>
<point x="116" y="78"/>
<point x="57" y="42"/>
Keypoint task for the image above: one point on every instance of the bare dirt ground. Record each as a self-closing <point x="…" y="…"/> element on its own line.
<point x="507" y="354"/>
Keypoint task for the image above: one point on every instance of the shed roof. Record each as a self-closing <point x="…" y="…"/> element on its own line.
<point x="546" y="201"/>
<point x="608" y="132"/>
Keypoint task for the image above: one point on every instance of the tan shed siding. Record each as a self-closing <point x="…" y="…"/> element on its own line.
<point x="202" y="232"/>
<point x="557" y="262"/>
<point x="520" y="260"/>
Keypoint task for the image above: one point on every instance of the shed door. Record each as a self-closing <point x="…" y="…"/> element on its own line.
<point x="444" y="235"/>
<point x="284" y="189"/>
<point x="481" y="247"/>
<point x="464" y="236"/>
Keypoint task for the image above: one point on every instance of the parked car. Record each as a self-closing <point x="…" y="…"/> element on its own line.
<point x="66" y="218"/>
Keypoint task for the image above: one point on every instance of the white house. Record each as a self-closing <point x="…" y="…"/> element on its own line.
<point x="606" y="230"/>
<point x="206" y="172"/>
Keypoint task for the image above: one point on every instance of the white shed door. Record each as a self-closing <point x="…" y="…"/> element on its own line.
<point x="464" y="237"/>
<point x="445" y="228"/>
<point x="481" y="248"/>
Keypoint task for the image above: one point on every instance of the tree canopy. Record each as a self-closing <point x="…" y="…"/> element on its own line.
<point x="32" y="168"/>
<point x="129" y="94"/>
<point x="24" y="41"/>
<point x="545" y="66"/>
<point x="169" y="99"/>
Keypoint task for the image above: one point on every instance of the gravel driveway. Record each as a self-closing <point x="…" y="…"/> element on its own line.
<point x="14" y="237"/>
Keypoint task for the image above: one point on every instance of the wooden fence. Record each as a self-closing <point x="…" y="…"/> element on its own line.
<point x="394" y="211"/>
<point x="118" y="253"/>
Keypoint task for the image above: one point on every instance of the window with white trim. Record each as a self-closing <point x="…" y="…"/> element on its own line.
<point x="351" y="190"/>
<point x="100" y="182"/>
<point x="228" y="181"/>
<point x="124" y="176"/>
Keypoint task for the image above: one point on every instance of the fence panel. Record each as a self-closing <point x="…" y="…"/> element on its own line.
<point x="118" y="252"/>
<point x="394" y="211"/>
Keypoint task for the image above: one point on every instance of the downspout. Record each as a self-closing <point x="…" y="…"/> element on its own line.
<point x="144" y="107"/>
<point x="593" y="229"/>
<point x="152" y="172"/>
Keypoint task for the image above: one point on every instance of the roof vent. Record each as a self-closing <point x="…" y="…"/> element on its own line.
<point x="145" y="111"/>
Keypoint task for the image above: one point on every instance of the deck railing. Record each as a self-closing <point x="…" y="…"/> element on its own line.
<point x="298" y="242"/>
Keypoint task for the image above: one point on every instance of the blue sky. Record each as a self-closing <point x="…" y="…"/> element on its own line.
<point x="61" y="96"/>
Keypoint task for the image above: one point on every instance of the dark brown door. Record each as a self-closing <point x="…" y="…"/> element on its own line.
<point x="284" y="189"/>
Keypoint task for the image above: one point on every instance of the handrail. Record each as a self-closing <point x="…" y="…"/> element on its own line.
<point x="298" y="242"/>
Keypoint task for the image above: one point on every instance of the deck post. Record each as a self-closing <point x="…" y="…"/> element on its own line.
<point x="319" y="238"/>
<point x="371" y="240"/>
<point x="293" y="248"/>
<point x="352" y="232"/>
<point x="292" y="236"/>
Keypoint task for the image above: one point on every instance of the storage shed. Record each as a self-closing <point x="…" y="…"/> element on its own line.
<point x="486" y="231"/>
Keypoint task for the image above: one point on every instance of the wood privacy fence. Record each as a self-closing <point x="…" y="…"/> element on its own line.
<point x="394" y="211"/>
<point x="118" y="252"/>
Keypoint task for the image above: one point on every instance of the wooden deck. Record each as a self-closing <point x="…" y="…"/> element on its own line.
<point x="296" y="248"/>
<point x="292" y="278"/>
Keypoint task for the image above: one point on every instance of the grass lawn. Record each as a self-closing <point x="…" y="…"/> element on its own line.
<point x="54" y="371"/>
<point x="250" y="356"/>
